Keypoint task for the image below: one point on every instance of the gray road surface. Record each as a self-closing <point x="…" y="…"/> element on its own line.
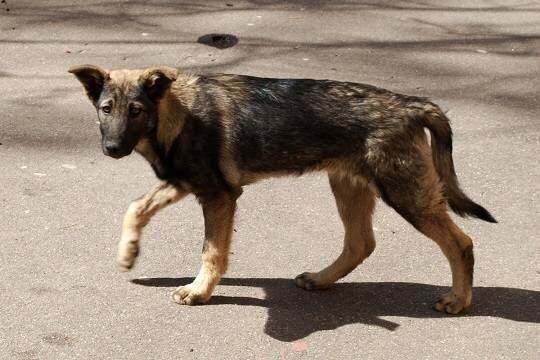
<point x="62" y="200"/>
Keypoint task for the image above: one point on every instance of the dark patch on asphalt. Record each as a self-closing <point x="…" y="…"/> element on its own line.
<point x="43" y="290"/>
<point x="219" y="41"/>
<point x="25" y="355"/>
<point x="58" y="339"/>
<point x="29" y="192"/>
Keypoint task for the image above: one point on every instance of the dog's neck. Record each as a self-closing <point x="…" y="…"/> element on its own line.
<point x="173" y="109"/>
<point x="171" y="119"/>
<point x="172" y="113"/>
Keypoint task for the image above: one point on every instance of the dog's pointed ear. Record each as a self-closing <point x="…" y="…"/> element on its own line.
<point x="156" y="81"/>
<point x="92" y="77"/>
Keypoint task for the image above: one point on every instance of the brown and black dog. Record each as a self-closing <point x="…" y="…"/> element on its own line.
<point x="211" y="135"/>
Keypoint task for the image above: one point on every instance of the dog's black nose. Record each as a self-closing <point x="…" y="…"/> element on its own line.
<point x="112" y="148"/>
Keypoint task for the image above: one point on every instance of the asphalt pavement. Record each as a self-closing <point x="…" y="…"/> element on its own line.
<point x="61" y="296"/>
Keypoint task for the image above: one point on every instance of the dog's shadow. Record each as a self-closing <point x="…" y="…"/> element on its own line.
<point x="294" y="313"/>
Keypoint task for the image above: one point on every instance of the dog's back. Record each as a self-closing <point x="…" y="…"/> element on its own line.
<point x="295" y="125"/>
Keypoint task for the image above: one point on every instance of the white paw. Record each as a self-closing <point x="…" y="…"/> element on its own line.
<point x="189" y="295"/>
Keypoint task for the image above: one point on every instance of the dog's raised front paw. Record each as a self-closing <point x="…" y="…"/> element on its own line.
<point x="127" y="254"/>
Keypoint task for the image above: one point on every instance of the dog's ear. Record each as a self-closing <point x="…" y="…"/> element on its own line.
<point x="92" y="77"/>
<point x="156" y="81"/>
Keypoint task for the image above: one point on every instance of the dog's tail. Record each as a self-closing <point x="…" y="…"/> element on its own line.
<point x="441" y="147"/>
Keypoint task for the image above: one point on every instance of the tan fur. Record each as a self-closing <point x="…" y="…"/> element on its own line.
<point x="432" y="219"/>
<point x="173" y="109"/>
<point x="138" y="215"/>
<point x="144" y="148"/>
<point x="218" y="218"/>
<point x="124" y="79"/>
<point x="355" y="203"/>
<point x="171" y="122"/>
<point x="455" y="245"/>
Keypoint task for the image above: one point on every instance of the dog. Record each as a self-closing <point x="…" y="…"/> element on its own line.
<point x="210" y="135"/>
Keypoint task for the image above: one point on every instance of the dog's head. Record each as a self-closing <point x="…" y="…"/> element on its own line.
<point x="126" y="102"/>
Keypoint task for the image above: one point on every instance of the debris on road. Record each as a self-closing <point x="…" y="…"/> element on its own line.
<point x="299" y="346"/>
<point x="219" y="41"/>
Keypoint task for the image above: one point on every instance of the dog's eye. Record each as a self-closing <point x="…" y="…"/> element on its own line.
<point x="134" y="111"/>
<point x="106" y="109"/>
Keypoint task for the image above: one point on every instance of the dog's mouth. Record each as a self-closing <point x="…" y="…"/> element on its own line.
<point x="118" y="155"/>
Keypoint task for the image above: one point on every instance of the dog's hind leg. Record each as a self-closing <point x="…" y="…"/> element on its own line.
<point x="355" y="203"/>
<point x="458" y="249"/>
<point x="138" y="215"/>
<point x="456" y="246"/>
<point x="410" y="185"/>
<point x="218" y="222"/>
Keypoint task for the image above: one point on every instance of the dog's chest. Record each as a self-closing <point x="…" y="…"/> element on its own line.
<point x="145" y="148"/>
<point x="198" y="173"/>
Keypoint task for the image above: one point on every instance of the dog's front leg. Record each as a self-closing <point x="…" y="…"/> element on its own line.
<point x="139" y="214"/>
<point x="218" y="220"/>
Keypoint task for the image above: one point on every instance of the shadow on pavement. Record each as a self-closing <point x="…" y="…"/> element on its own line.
<point x="294" y="313"/>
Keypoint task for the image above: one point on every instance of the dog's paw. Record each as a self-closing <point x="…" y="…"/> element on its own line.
<point x="309" y="281"/>
<point x="127" y="254"/>
<point x="449" y="303"/>
<point x="188" y="295"/>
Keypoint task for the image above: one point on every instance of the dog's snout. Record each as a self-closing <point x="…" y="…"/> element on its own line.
<point x="116" y="148"/>
<point x="112" y="147"/>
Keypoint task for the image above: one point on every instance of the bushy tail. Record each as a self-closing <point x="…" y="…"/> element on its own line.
<point x="441" y="144"/>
